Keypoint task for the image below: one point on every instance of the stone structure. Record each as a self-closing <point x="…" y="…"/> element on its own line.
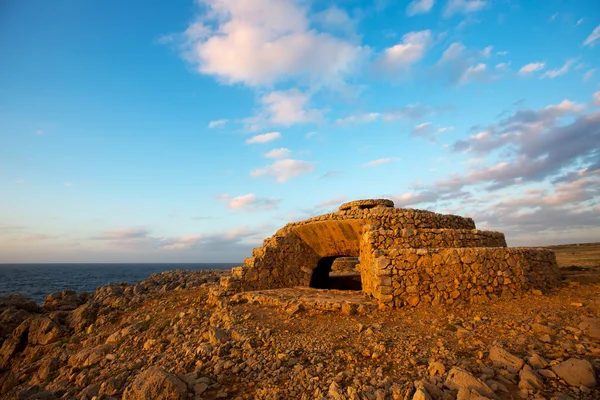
<point x="407" y="257"/>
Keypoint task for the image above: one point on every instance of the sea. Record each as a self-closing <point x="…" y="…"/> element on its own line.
<point x="39" y="280"/>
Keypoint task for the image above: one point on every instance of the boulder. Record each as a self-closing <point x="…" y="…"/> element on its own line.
<point x="19" y="302"/>
<point x="10" y="318"/>
<point x="503" y="358"/>
<point x="458" y="379"/>
<point x="156" y="383"/>
<point x="9" y="348"/>
<point x="38" y="330"/>
<point x="82" y="317"/>
<point x="66" y="300"/>
<point x="576" y="372"/>
<point x="591" y="327"/>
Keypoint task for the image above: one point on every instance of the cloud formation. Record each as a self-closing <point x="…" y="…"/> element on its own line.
<point x="217" y="123"/>
<point x="379" y="161"/>
<point x="252" y="202"/>
<point x="419" y="7"/>
<point x="593" y="37"/>
<point x="463" y="7"/>
<point x="264" y="138"/>
<point x="531" y="67"/>
<point x="263" y="42"/>
<point x="553" y="73"/>
<point x="284" y="170"/>
<point x="278" y="153"/>
<point x="411" y="50"/>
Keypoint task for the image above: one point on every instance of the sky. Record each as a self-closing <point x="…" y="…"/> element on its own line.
<point x="189" y="131"/>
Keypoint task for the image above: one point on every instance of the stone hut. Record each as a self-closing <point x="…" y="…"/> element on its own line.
<point x="406" y="257"/>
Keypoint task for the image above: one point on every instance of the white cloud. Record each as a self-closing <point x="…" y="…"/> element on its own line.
<point x="454" y="51"/>
<point x="595" y="35"/>
<point x="423" y="129"/>
<point x="357" y="118"/>
<point x="310" y="134"/>
<point x="553" y="73"/>
<point x="39" y="132"/>
<point x="472" y="73"/>
<point x="265" y="41"/>
<point x="289" y="107"/>
<point x="565" y="107"/>
<point x="68" y="184"/>
<point x="278" y="153"/>
<point x="579" y="22"/>
<point x="487" y="52"/>
<point x="419" y="7"/>
<point x="589" y="74"/>
<point x="379" y="161"/>
<point x="20" y="180"/>
<point x="284" y="170"/>
<point x="264" y="138"/>
<point x="404" y="54"/>
<point x="596" y="99"/>
<point x="217" y="123"/>
<point x="531" y="67"/>
<point x="463" y="7"/>
<point x="502" y="53"/>
<point x="252" y="202"/>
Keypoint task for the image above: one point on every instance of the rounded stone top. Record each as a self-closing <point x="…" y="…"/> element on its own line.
<point x="369" y="203"/>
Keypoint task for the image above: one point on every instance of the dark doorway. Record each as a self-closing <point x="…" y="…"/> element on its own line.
<point x="323" y="279"/>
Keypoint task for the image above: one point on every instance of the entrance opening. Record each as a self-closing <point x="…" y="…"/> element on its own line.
<point x="343" y="277"/>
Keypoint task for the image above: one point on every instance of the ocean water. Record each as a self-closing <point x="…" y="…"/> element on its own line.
<point x="39" y="280"/>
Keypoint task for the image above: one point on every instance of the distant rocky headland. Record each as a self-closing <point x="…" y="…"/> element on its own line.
<point x="300" y="320"/>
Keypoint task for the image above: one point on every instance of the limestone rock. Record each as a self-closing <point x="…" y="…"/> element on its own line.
<point x="82" y="316"/>
<point x="537" y="361"/>
<point x="9" y="348"/>
<point x="157" y="384"/>
<point x="459" y="378"/>
<point x="576" y="372"/>
<point x="501" y="357"/>
<point x="591" y="326"/>
<point x="217" y="336"/>
<point x="469" y="394"/>
<point x="38" y="330"/>
<point x="19" y="302"/>
<point x="436" y="368"/>
<point x="90" y="356"/>
<point x="529" y="380"/>
<point x="421" y="394"/>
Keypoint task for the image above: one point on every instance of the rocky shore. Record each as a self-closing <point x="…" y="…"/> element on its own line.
<point x="178" y="336"/>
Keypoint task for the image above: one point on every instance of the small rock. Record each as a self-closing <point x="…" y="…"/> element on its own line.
<point x="156" y="383"/>
<point x="436" y="368"/>
<point x="537" y="361"/>
<point x="459" y="378"/>
<point x="529" y="379"/>
<point x="503" y="358"/>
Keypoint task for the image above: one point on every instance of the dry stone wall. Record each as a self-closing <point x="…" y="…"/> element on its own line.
<point x="408" y="257"/>
<point x="401" y="277"/>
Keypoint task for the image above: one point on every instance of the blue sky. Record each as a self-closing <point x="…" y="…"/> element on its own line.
<point x="143" y="131"/>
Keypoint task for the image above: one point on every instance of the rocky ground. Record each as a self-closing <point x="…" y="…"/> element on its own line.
<point x="176" y="336"/>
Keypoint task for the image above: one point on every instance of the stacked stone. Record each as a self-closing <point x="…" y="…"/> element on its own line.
<point x="437" y="238"/>
<point x="342" y="264"/>
<point x="401" y="277"/>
